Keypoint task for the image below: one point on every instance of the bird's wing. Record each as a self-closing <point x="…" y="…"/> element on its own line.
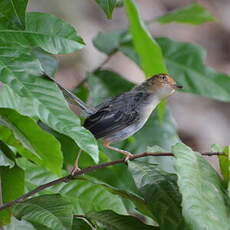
<point x="111" y="117"/>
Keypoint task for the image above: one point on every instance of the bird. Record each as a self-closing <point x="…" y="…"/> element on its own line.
<point x="121" y="116"/>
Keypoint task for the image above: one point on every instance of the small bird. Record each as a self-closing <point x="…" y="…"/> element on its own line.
<point x="119" y="117"/>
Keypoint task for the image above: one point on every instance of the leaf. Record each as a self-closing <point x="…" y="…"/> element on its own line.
<point x="160" y="192"/>
<point x="48" y="102"/>
<point x="13" y="13"/>
<point x="12" y="186"/>
<point x="107" y="6"/>
<point x="151" y="58"/>
<point x="80" y="224"/>
<point x="120" y="40"/>
<point x="19" y="225"/>
<point x="57" y="37"/>
<point x="48" y="62"/>
<point x="5" y="161"/>
<point x="201" y="189"/>
<point x="194" y="14"/>
<point x="51" y="211"/>
<point x="112" y="221"/>
<point x="9" y="99"/>
<point x="85" y="196"/>
<point x="30" y="140"/>
<point x="186" y="65"/>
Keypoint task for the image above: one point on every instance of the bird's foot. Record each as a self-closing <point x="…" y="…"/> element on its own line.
<point x="74" y="170"/>
<point x="128" y="155"/>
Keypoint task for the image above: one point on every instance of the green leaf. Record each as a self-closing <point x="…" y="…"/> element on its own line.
<point x="13" y="13"/>
<point x="49" y="63"/>
<point x="49" y="104"/>
<point x="19" y="225"/>
<point x="80" y="224"/>
<point x="120" y="40"/>
<point x="107" y="6"/>
<point x="192" y="14"/>
<point x="30" y="140"/>
<point x="9" y="99"/>
<point x="185" y="64"/>
<point x="51" y="211"/>
<point x="160" y="192"/>
<point x="112" y="221"/>
<point x="85" y="196"/>
<point x="57" y="37"/>
<point x="5" y="161"/>
<point x="201" y="189"/>
<point x="151" y="58"/>
<point x="12" y="186"/>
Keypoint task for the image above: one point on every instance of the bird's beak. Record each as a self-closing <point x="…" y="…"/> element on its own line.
<point x="177" y="86"/>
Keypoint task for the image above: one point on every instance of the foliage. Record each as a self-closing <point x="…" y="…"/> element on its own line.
<point x="40" y="136"/>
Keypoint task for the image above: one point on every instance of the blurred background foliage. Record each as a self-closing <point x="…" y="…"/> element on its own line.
<point x="110" y="64"/>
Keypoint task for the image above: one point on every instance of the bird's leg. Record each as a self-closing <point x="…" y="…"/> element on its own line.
<point x="75" y="166"/>
<point x="126" y="153"/>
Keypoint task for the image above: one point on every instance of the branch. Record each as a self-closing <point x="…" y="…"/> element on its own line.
<point x="90" y="169"/>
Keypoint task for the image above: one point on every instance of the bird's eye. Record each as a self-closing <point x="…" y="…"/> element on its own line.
<point x="164" y="78"/>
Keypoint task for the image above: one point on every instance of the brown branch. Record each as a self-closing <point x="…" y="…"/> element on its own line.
<point x="87" y="170"/>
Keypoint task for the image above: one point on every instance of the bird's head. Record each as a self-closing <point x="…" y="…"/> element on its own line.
<point x="162" y="85"/>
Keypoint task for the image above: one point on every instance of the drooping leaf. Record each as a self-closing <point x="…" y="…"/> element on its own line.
<point x="148" y="50"/>
<point x="160" y="192"/>
<point x="202" y="191"/>
<point x="19" y="225"/>
<point x="84" y="196"/>
<point x="185" y="63"/>
<point x="107" y="6"/>
<point x="52" y="211"/>
<point x="12" y="186"/>
<point x="194" y="14"/>
<point x="113" y="221"/>
<point x="30" y="140"/>
<point x="12" y="14"/>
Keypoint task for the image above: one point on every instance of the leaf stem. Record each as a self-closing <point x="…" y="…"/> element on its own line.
<point x="90" y="169"/>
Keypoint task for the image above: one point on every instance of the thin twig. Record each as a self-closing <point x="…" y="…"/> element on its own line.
<point x="87" y="170"/>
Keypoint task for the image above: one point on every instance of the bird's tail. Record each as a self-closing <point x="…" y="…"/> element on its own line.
<point x="85" y="109"/>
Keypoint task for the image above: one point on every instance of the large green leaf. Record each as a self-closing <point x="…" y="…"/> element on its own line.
<point x="151" y="58"/>
<point x="56" y="37"/>
<point x="192" y="14"/>
<point x="80" y="224"/>
<point x="160" y="192"/>
<point x="13" y="13"/>
<point x="12" y="186"/>
<point x="186" y="65"/>
<point x="112" y="221"/>
<point x="201" y="189"/>
<point x="51" y="211"/>
<point x="107" y="6"/>
<point x="49" y="104"/>
<point x="84" y="195"/>
<point x="30" y="140"/>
